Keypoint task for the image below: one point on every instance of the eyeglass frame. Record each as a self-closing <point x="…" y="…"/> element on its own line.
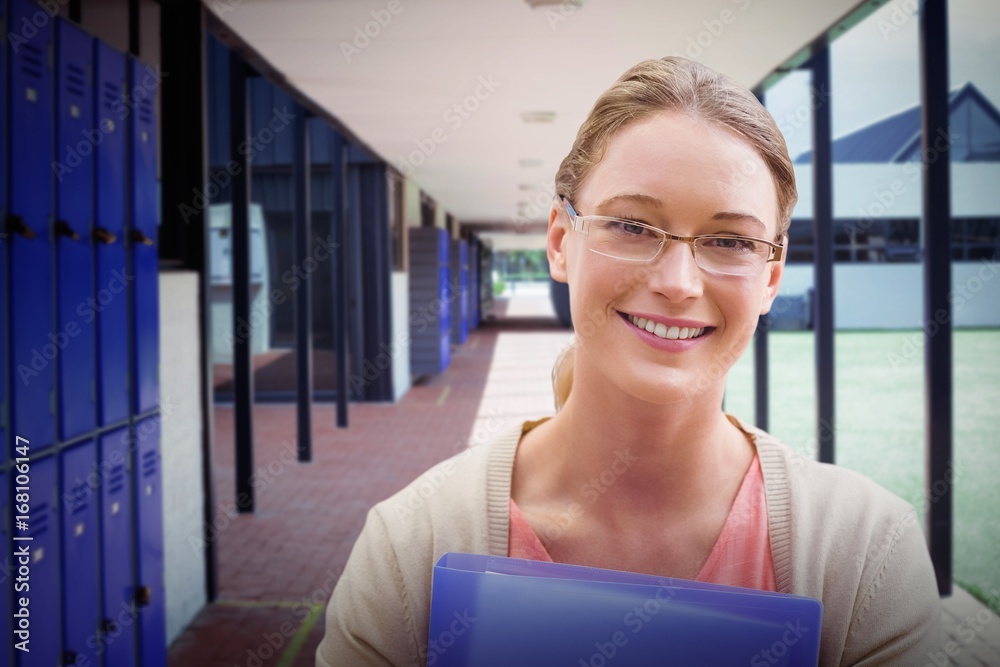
<point x="777" y="249"/>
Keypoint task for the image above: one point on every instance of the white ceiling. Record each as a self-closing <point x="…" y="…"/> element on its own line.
<point x="432" y="54"/>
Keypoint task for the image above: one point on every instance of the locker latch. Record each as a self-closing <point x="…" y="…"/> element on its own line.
<point x="104" y="236"/>
<point x="139" y="237"/>
<point x="143" y="596"/>
<point x="17" y="225"/>
<point x="109" y="627"/>
<point x="69" y="658"/>
<point x="63" y="229"/>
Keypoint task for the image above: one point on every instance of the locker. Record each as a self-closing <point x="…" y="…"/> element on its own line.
<point x="111" y="300"/>
<point x="74" y="170"/>
<point x="117" y="638"/>
<point x="473" y="284"/>
<point x="150" y="594"/>
<point x="43" y="528"/>
<point x="444" y="282"/>
<point x="146" y="361"/>
<point x="29" y="224"/>
<point x="81" y="597"/>
<point x="430" y="323"/>
<point x="5" y="559"/>
<point x="459" y="292"/>
<point x="4" y="408"/>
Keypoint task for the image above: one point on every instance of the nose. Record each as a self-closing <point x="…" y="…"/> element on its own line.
<point x="675" y="274"/>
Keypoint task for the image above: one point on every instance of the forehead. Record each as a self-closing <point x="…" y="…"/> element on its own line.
<point x="695" y="167"/>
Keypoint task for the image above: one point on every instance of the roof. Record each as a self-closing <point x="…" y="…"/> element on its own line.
<point x="975" y="132"/>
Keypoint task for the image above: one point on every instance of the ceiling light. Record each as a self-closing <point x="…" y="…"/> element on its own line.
<point x="530" y="162"/>
<point x="535" y="4"/>
<point x="538" y="116"/>
<point x="527" y="186"/>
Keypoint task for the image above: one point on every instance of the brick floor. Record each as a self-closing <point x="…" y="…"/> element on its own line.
<point x="277" y="567"/>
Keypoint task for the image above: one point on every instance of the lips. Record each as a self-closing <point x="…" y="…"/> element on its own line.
<point x="668" y="329"/>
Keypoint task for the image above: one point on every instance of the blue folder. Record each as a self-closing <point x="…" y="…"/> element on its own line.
<point x="489" y="611"/>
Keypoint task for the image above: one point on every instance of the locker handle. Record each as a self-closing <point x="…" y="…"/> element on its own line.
<point x="63" y="229"/>
<point x="104" y="236"/>
<point x="143" y="596"/>
<point x="139" y="237"/>
<point x="17" y="225"/>
<point x="109" y="627"/>
<point x="69" y="658"/>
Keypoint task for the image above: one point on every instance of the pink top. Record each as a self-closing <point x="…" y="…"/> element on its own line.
<point x="741" y="556"/>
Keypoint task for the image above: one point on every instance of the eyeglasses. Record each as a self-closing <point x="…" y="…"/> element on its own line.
<point x="633" y="241"/>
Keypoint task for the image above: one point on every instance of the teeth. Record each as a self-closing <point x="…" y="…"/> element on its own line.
<point x="661" y="330"/>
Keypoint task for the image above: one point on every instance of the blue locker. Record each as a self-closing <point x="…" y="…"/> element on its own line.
<point x="4" y="408"/>
<point x="43" y="527"/>
<point x="146" y="301"/>
<point x="81" y="597"/>
<point x="150" y="594"/>
<point x="459" y="296"/>
<point x="74" y="170"/>
<point x="5" y="559"/>
<point x="444" y="281"/>
<point x="29" y="230"/>
<point x="117" y="639"/>
<point x="111" y="304"/>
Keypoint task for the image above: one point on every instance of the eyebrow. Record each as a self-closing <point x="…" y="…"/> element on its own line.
<point x="735" y="215"/>
<point x="637" y="198"/>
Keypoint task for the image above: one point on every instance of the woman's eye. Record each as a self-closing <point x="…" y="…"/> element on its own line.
<point x="726" y="243"/>
<point x="631" y="228"/>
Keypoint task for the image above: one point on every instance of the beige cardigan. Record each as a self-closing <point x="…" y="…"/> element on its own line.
<point x="835" y="535"/>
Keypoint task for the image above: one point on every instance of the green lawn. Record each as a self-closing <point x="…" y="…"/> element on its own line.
<point x="880" y="423"/>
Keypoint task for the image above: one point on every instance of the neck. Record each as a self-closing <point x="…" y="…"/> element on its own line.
<point x="674" y="457"/>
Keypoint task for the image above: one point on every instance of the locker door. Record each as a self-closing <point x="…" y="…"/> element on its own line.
<point x="444" y="280"/>
<point x="150" y="593"/>
<point x="117" y="639"/>
<point x="43" y="527"/>
<point x="5" y="559"/>
<point x="146" y="361"/>
<point x="74" y="170"/>
<point x="109" y="235"/>
<point x="28" y="231"/>
<point x="81" y="599"/>
<point x="4" y="408"/>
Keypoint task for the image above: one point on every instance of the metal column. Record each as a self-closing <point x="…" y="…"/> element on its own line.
<point x="760" y="359"/>
<point x="242" y="351"/>
<point x="338" y="154"/>
<point x="823" y="324"/>
<point x="936" y="232"/>
<point x="184" y="231"/>
<point x="303" y="297"/>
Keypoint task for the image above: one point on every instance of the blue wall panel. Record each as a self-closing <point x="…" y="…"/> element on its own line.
<point x="74" y="170"/>
<point x="146" y="302"/>
<point x="44" y="583"/>
<point x="118" y="615"/>
<point x="149" y="526"/>
<point x="112" y="277"/>
<point x="81" y="597"/>
<point x="31" y="201"/>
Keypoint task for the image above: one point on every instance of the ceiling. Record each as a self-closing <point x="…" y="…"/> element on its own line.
<point x="396" y="87"/>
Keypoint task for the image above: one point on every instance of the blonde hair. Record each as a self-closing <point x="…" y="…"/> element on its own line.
<point x="682" y="85"/>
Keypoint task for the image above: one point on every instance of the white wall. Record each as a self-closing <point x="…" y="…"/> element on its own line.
<point x="183" y="496"/>
<point x="401" y="380"/>
<point x="890" y="296"/>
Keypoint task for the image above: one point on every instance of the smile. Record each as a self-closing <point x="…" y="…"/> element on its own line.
<point x="661" y="330"/>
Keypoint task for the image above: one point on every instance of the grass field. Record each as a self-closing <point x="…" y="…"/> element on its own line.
<point x="880" y="423"/>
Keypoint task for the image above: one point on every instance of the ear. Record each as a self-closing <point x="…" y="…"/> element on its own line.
<point x="556" y="241"/>
<point x="776" y="270"/>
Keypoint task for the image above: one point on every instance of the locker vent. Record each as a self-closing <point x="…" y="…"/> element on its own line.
<point x="116" y="480"/>
<point x="33" y="63"/>
<point x="112" y="95"/>
<point x="149" y="464"/>
<point x="79" y="497"/>
<point x="75" y="80"/>
<point x="39" y="519"/>
<point x="146" y="111"/>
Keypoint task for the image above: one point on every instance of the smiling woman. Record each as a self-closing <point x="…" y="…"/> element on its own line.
<point x="669" y="226"/>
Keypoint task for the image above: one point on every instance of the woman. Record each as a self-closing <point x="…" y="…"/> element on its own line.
<point x="668" y="226"/>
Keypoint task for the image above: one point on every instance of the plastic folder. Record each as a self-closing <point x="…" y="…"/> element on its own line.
<point x="489" y="611"/>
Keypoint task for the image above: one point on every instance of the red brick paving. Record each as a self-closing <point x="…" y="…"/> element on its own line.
<point x="307" y="516"/>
